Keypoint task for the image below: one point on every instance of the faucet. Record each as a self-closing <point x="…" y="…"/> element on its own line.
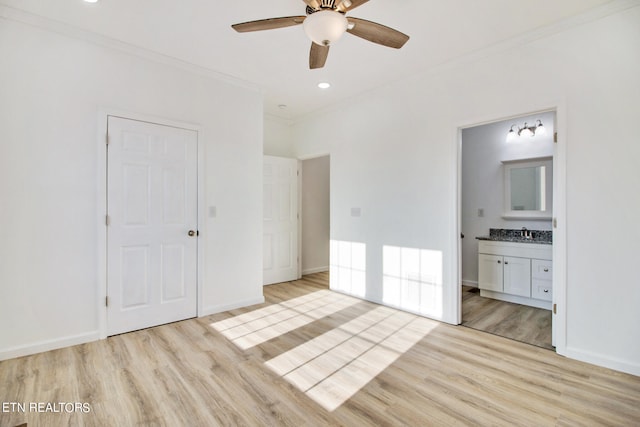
<point x="525" y="233"/>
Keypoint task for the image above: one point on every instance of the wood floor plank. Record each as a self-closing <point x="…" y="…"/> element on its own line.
<point x="522" y="323"/>
<point x="191" y="374"/>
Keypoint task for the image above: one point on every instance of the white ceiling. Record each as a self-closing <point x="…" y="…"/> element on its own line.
<point x="199" y="32"/>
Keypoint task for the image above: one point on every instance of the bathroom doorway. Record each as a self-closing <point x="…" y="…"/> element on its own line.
<point x="484" y="151"/>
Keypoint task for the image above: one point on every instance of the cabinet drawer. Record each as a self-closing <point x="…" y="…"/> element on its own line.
<point x="541" y="289"/>
<point x="541" y="269"/>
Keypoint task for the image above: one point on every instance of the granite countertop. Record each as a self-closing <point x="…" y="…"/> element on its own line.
<point x="543" y="237"/>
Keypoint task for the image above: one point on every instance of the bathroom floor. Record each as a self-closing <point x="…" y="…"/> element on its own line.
<point x="518" y="322"/>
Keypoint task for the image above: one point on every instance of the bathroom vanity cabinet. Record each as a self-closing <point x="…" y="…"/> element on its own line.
<point x="516" y="272"/>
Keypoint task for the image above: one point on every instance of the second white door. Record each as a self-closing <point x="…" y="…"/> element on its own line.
<point x="280" y="238"/>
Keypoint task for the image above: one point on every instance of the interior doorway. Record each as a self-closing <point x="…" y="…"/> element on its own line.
<point x="484" y="151"/>
<point x="315" y="214"/>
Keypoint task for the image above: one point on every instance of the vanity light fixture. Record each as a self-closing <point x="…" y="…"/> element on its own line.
<point x="526" y="131"/>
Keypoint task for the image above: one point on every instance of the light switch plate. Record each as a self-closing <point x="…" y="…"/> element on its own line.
<point x="356" y="212"/>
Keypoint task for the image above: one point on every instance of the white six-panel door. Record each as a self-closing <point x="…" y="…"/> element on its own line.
<point x="280" y="238"/>
<point x="152" y="224"/>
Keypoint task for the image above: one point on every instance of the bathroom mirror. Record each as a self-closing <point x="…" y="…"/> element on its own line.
<point x="528" y="188"/>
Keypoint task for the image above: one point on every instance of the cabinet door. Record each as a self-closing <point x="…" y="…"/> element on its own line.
<point x="517" y="276"/>
<point x="490" y="272"/>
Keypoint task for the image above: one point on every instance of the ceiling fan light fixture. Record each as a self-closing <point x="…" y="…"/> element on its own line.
<point x="325" y="27"/>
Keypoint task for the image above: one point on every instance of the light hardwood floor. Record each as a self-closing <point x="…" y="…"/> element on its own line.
<point x="311" y="357"/>
<point x="522" y="323"/>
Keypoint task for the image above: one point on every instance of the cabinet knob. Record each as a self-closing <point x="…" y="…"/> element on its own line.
<point x="506" y="262"/>
<point x="546" y="270"/>
<point x="499" y="262"/>
<point x="546" y="291"/>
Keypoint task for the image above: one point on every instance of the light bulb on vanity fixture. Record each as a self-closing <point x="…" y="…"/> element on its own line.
<point x="526" y="131"/>
<point x="512" y="135"/>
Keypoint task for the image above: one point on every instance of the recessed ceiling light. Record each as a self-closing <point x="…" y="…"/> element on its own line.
<point x="324" y="85"/>
<point x="282" y="106"/>
<point x="91" y="1"/>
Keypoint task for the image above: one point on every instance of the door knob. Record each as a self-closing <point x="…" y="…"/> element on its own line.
<point x="191" y="233"/>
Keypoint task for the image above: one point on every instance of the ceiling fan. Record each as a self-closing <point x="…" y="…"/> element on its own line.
<point x="325" y="23"/>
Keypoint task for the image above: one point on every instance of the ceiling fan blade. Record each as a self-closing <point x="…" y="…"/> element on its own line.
<point x="377" y="33"/>
<point x="268" y="24"/>
<point x="314" y="4"/>
<point x="342" y="7"/>
<point x="318" y="56"/>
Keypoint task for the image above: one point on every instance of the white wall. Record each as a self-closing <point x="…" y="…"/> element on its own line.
<point x="394" y="155"/>
<point x="53" y="87"/>
<point x="482" y="181"/>
<point x="277" y="137"/>
<point x="315" y="214"/>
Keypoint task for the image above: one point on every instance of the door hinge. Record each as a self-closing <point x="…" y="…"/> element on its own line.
<point x="298" y="172"/>
<point x="555" y="222"/>
<point x="555" y="308"/>
<point x="555" y="137"/>
<point x="107" y="220"/>
<point x="106" y="139"/>
<point x="106" y="301"/>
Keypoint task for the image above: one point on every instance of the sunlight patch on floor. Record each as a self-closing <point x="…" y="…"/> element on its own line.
<point x="335" y="365"/>
<point x="258" y="326"/>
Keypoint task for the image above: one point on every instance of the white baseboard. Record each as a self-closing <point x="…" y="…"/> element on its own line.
<point x="473" y="284"/>
<point x="226" y="307"/>
<point x="47" y="345"/>
<point x="315" y="270"/>
<point x="626" y="366"/>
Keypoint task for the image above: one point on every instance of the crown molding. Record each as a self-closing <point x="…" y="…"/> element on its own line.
<point x="58" y="27"/>
<point x="566" y="24"/>
<point x="278" y="119"/>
